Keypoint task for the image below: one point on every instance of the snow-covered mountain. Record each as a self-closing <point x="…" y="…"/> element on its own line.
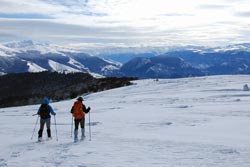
<point x="216" y="62"/>
<point x="43" y="48"/>
<point x="125" y="54"/>
<point x="231" y="59"/>
<point x="189" y="122"/>
<point x="159" y="67"/>
<point x="6" y="51"/>
<point x="29" y="56"/>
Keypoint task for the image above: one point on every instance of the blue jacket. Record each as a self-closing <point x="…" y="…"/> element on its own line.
<point x="46" y="101"/>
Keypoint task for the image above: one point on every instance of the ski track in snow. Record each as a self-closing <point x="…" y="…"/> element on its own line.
<point x="190" y="122"/>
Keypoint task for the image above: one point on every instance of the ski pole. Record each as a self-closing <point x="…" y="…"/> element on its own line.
<point x="89" y="128"/>
<point x="55" y="128"/>
<point x="34" y="129"/>
<point x="71" y="126"/>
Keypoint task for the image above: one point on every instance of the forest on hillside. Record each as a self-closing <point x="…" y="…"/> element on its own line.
<point x="31" y="88"/>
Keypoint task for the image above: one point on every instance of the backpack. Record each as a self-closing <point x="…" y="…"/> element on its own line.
<point x="44" y="111"/>
<point x="78" y="110"/>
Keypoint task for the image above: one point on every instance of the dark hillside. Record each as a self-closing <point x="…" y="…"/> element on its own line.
<point x="30" y="88"/>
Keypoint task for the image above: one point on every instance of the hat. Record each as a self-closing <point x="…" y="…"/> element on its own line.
<point x="80" y="99"/>
<point x="45" y="101"/>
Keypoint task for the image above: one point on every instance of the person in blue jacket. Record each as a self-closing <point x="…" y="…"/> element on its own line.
<point x="44" y="111"/>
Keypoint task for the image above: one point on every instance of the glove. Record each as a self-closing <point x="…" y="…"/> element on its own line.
<point x="88" y="109"/>
<point x="72" y="110"/>
<point x="55" y="114"/>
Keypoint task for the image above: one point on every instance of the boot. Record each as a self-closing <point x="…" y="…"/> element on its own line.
<point x="40" y="134"/>
<point x="76" y="134"/>
<point x="83" y="134"/>
<point x="49" y="133"/>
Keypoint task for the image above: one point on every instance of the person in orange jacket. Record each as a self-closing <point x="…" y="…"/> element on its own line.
<point x="79" y="110"/>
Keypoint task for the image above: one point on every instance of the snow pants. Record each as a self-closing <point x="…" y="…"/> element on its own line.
<point x="42" y="123"/>
<point x="81" y="122"/>
<point x="77" y="123"/>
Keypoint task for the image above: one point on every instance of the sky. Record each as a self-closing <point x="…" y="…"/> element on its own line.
<point x="126" y="22"/>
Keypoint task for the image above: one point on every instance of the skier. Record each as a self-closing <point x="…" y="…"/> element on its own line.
<point x="44" y="111"/>
<point x="79" y="110"/>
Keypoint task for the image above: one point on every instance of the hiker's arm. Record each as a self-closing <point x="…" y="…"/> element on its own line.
<point x="51" y="110"/>
<point x="72" y="110"/>
<point x="87" y="110"/>
<point x="84" y="109"/>
<point x="38" y="112"/>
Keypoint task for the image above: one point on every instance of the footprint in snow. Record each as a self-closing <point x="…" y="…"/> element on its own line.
<point x="183" y="106"/>
<point x="3" y="163"/>
<point x="30" y="147"/>
<point x="81" y="166"/>
<point x="94" y="123"/>
<point x="228" y="151"/>
<point x="15" y="154"/>
<point x="166" y="123"/>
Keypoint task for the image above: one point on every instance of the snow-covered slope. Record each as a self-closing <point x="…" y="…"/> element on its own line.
<point x="43" y="48"/>
<point x="60" y="67"/>
<point x="189" y="122"/>
<point x="32" y="56"/>
<point x="34" y="67"/>
<point x="6" y="52"/>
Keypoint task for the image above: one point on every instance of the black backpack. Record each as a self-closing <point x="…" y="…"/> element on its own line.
<point x="44" y="111"/>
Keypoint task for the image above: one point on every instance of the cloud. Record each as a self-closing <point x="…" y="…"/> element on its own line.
<point x="243" y="14"/>
<point x="46" y="30"/>
<point x="123" y="21"/>
<point x="176" y="14"/>
<point x="25" y="16"/>
<point x="29" y="7"/>
<point x="215" y="7"/>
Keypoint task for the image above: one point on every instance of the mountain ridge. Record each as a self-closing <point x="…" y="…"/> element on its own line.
<point x="30" y="56"/>
<point x="44" y="57"/>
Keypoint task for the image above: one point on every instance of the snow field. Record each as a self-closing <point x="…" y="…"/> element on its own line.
<point x="190" y="122"/>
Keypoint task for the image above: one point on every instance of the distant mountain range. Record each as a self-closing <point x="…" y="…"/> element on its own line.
<point x="27" y="56"/>
<point x="159" y="67"/>
<point x="155" y="62"/>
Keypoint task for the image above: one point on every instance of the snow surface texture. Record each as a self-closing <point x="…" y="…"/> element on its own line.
<point x="192" y="122"/>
